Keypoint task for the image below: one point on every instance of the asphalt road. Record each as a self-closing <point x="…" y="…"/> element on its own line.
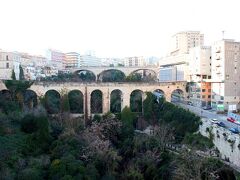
<point x="209" y="114"/>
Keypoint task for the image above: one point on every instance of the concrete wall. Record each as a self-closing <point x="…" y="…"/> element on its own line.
<point x="226" y="142"/>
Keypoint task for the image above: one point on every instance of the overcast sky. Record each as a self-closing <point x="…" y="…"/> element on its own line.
<point x="112" y="27"/>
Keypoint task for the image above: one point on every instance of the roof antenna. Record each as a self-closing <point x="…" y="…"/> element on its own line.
<point x="223" y="35"/>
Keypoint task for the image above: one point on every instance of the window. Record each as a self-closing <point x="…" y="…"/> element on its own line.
<point x="203" y="90"/>
<point x="7" y="57"/>
<point x="209" y="90"/>
<point x="209" y="96"/>
<point x="227" y="76"/>
<point x="204" y="76"/>
<point x="209" y="77"/>
<point x="203" y="96"/>
<point x="7" y="65"/>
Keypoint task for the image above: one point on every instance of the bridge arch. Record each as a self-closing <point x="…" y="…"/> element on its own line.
<point x="116" y="98"/>
<point x="75" y="98"/>
<point x="136" y="100"/>
<point x="146" y="74"/>
<point x="177" y="95"/>
<point x="85" y="75"/>
<point x="96" y="104"/>
<point x="111" y="75"/>
<point x="30" y="98"/>
<point x="52" y="101"/>
<point x="5" y="94"/>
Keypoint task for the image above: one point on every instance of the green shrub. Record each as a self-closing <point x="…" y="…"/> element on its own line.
<point x="97" y="118"/>
<point x="30" y="173"/>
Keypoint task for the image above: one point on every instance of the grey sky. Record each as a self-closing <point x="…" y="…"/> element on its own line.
<point x="112" y="27"/>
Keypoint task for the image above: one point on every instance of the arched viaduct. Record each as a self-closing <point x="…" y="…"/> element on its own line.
<point x="97" y="71"/>
<point x="41" y="88"/>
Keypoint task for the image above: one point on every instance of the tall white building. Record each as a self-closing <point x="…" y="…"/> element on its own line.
<point x="182" y="42"/>
<point x="226" y="74"/>
<point x="89" y="59"/>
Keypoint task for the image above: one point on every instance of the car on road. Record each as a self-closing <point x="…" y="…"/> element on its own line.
<point x="207" y="108"/>
<point x="237" y="122"/>
<point x="230" y="119"/>
<point x="234" y="130"/>
<point x="190" y="103"/>
<point x="221" y="124"/>
<point x="214" y="121"/>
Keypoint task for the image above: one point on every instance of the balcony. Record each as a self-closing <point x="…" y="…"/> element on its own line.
<point x="218" y="50"/>
<point x="218" y="57"/>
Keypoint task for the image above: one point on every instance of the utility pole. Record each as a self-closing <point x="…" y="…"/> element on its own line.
<point x="223" y="35"/>
<point x="86" y="107"/>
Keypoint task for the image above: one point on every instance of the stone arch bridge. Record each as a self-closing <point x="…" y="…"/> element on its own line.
<point x="97" y="71"/>
<point x="167" y="89"/>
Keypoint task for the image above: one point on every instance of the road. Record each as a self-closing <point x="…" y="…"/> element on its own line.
<point x="209" y="114"/>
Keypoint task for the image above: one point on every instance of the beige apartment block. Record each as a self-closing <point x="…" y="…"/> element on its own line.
<point x="226" y="74"/>
<point x="72" y="59"/>
<point x="182" y="42"/>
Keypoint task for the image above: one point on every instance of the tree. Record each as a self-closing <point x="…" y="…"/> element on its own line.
<point x="65" y="103"/>
<point x="150" y="108"/>
<point x="21" y="74"/>
<point x="136" y="77"/>
<point x="127" y="118"/>
<point x="13" y="76"/>
<point x="75" y="101"/>
<point x="17" y="89"/>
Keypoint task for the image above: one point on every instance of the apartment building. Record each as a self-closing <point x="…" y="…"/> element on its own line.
<point x="226" y="74"/>
<point x="89" y="60"/>
<point x="55" y="58"/>
<point x="72" y="60"/>
<point x="9" y="62"/>
<point x="134" y="61"/>
<point x="182" y="42"/>
<point x="200" y="76"/>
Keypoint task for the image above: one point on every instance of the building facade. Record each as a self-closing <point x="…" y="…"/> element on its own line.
<point x="89" y="59"/>
<point x="9" y="62"/>
<point x="182" y="42"/>
<point x="200" y="76"/>
<point x="134" y="61"/>
<point x="55" y="58"/>
<point x="173" y="72"/>
<point x="226" y="74"/>
<point x="72" y="60"/>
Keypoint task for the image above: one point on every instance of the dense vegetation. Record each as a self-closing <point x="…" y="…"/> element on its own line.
<point x="35" y="145"/>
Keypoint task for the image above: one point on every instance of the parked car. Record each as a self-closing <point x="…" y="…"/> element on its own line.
<point x="190" y="103"/>
<point x="230" y="119"/>
<point x="234" y="130"/>
<point x="207" y="107"/>
<point x="221" y="124"/>
<point x="237" y="122"/>
<point x="214" y="121"/>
